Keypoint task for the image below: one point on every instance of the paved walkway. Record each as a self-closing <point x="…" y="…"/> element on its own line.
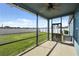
<point x="52" y="49"/>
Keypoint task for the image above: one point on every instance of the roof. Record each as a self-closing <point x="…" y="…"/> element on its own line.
<point x="42" y="9"/>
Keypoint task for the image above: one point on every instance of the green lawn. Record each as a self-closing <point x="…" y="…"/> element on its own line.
<point x="17" y="47"/>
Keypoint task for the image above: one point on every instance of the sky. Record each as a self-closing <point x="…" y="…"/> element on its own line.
<point x="15" y="17"/>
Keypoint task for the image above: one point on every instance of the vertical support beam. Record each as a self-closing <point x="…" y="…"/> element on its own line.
<point x="74" y="26"/>
<point x="48" y="30"/>
<point x="61" y="25"/>
<point x="51" y="30"/>
<point x="36" y="29"/>
<point x="61" y="31"/>
<point x="69" y="28"/>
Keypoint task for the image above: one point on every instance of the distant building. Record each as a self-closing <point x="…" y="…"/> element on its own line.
<point x="65" y="30"/>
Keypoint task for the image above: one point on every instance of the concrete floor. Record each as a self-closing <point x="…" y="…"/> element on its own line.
<point x="63" y="50"/>
<point x="45" y="48"/>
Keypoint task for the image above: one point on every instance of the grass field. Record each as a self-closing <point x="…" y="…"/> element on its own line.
<point x="17" y="47"/>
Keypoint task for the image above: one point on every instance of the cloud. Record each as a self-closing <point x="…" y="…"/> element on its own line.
<point x="21" y="22"/>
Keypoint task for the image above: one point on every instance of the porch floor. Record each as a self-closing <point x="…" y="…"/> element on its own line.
<point x="52" y="48"/>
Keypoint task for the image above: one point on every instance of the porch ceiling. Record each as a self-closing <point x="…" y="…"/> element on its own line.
<point x="42" y="9"/>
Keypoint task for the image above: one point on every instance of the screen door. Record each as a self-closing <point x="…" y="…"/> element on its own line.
<point x="56" y="31"/>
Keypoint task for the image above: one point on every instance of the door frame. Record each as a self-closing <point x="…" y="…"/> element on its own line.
<point x="53" y="29"/>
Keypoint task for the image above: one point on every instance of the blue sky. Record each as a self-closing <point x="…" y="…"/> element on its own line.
<point x="12" y="16"/>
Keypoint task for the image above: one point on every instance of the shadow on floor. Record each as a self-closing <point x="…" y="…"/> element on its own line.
<point x="52" y="49"/>
<point x="70" y="44"/>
